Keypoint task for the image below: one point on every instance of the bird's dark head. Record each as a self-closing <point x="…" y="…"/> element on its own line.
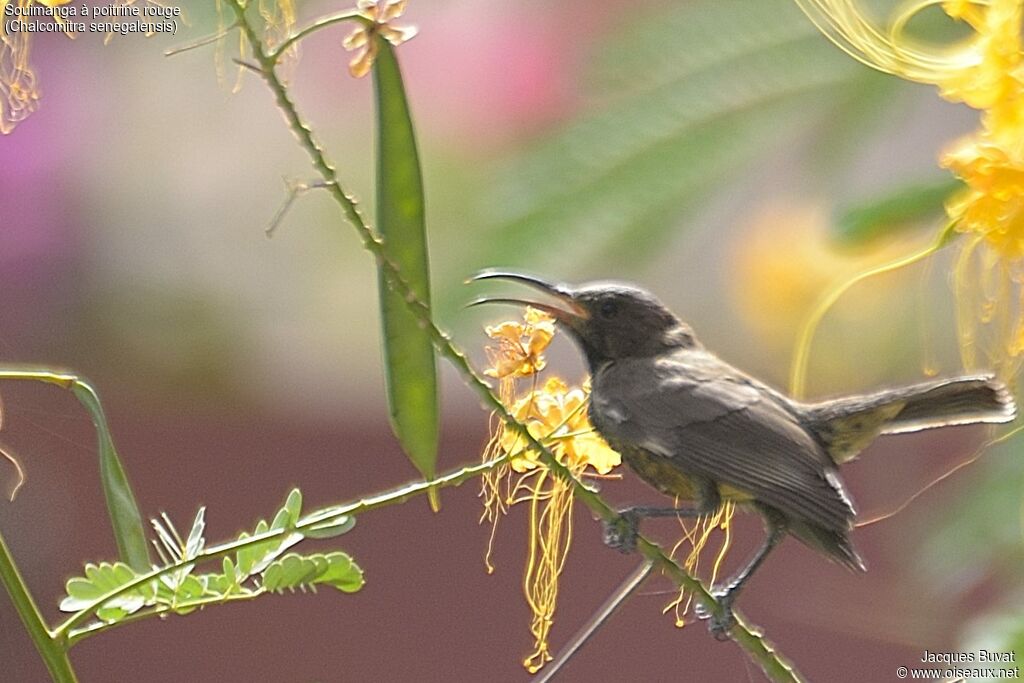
<point x="610" y="320"/>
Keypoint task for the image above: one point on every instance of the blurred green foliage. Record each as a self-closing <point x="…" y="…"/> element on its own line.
<point x="684" y="98"/>
<point x="899" y="208"/>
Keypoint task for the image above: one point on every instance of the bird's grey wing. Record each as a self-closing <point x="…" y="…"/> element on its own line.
<point x="717" y="423"/>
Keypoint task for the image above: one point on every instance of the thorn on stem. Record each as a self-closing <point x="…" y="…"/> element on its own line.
<point x="295" y="188"/>
<point x="248" y="65"/>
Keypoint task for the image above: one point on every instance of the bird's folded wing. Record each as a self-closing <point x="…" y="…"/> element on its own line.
<point x="719" y="424"/>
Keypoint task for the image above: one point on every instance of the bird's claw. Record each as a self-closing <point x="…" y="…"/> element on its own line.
<point x="718" y="625"/>
<point x="621" y="532"/>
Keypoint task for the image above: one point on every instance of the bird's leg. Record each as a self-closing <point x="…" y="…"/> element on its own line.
<point x="621" y="533"/>
<point x="726" y="595"/>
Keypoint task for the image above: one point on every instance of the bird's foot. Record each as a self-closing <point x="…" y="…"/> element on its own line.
<point x="719" y="624"/>
<point x="621" y="532"/>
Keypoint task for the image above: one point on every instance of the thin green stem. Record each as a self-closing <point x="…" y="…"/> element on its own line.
<point x="63" y="379"/>
<point x="76" y="635"/>
<point x="51" y="648"/>
<point x="802" y="353"/>
<point x="322" y="23"/>
<point x="757" y="648"/>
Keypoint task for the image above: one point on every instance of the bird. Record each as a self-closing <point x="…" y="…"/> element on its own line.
<point x="698" y="429"/>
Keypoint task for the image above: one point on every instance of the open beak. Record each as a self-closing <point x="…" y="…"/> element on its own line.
<point x="567" y="311"/>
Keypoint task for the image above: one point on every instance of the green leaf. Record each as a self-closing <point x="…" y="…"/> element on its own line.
<point x="100" y="580"/>
<point x="293" y="505"/>
<point x="121" y="506"/>
<point x="699" y="90"/>
<point x="327" y="523"/>
<point x="1001" y="631"/>
<point x="292" y="571"/>
<point x="195" y="542"/>
<point x="408" y="351"/>
<point x="342" y="573"/>
<point x="894" y="210"/>
<point x="254" y="559"/>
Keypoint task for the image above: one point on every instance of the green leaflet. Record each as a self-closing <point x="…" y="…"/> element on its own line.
<point x="124" y="511"/>
<point x="408" y="352"/>
<point x="292" y="571"/>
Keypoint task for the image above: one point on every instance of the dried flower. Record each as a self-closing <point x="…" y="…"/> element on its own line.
<point x="379" y="14"/>
<point x="19" y="93"/>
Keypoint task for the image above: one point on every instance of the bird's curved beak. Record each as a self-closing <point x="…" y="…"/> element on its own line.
<point x="568" y="311"/>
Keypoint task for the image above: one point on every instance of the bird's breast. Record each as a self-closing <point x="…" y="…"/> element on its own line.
<point x="667" y="477"/>
<point x="659" y="472"/>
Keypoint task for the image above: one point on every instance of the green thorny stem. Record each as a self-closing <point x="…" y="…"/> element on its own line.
<point x="52" y="648"/>
<point x="751" y="640"/>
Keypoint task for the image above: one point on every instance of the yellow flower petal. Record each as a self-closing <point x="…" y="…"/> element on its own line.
<point x="358" y="38"/>
<point x="396" y="35"/>
<point x="391" y="10"/>
<point x="363" y="62"/>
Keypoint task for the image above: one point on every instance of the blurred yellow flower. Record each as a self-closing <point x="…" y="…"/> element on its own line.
<point x="19" y="94"/>
<point x="782" y="261"/>
<point x="364" y="38"/>
<point x="278" y="23"/>
<point x="979" y="71"/>
<point x="556" y="415"/>
<point x="985" y="71"/>
<point x="992" y="205"/>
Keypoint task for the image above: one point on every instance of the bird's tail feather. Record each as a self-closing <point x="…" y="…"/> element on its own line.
<point x="834" y="543"/>
<point x="964" y="400"/>
<point x="847" y="425"/>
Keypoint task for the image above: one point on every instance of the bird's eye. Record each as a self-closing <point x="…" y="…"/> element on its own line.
<point x="609" y="309"/>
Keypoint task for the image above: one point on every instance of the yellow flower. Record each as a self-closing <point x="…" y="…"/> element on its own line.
<point x="985" y="71"/>
<point x="556" y="415"/>
<point x="988" y="276"/>
<point x="278" y="20"/>
<point x="989" y="78"/>
<point x="364" y="38"/>
<point x="782" y="262"/>
<point x="19" y="95"/>
<point x="992" y="205"/>
<point x="520" y="345"/>
<point x="979" y="71"/>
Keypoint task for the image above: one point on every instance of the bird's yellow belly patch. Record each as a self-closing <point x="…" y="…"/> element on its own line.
<point x="664" y="475"/>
